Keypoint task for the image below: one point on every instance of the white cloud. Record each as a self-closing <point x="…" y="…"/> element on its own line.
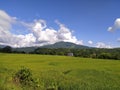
<point x="115" y="26"/>
<point x="102" y="45"/>
<point x="46" y="35"/>
<point x="118" y="39"/>
<point x="65" y="34"/>
<point x="43" y="35"/>
<point x="90" y="42"/>
<point x="5" y="21"/>
<point x="23" y="40"/>
<point x="39" y="33"/>
<point x="80" y="42"/>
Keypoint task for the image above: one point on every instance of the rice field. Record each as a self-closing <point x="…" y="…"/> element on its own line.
<point x="60" y="72"/>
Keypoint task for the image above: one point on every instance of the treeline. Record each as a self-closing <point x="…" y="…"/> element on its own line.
<point x="9" y="49"/>
<point x="87" y="53"/>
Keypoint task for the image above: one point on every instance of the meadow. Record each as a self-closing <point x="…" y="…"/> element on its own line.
<point x="60" y="72"/>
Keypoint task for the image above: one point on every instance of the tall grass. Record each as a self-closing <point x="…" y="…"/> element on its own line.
<point x="60" y="72"/>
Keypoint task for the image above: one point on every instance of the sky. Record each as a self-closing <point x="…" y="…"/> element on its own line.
<point x="26" y="23"/>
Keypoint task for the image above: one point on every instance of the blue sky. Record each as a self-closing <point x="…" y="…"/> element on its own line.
<point x="87" y="20"/>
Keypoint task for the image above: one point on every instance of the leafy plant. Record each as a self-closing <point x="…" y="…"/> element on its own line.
<point x="24" y="77"/>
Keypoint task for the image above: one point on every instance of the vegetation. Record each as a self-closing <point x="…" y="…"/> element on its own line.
<point x="86" y="53"/>
<point x="24" y="77"/>
<point x="45" y="72"/>
<point x="63" y="48"/>
<point x="83" y="52"/>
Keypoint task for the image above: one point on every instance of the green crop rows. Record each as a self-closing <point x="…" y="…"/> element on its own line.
<point x="60" y="72"/>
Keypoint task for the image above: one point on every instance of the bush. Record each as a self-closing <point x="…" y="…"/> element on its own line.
<point x="24" y="77"/>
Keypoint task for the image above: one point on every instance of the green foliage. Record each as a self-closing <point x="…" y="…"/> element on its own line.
<point x="25" y="78"/>
<point x="86" y="53"/>
<point x="47" y="72"/>
<point x="63" y="48"/>
<point x="7" y="49"/>
<point x="105" y="56"/>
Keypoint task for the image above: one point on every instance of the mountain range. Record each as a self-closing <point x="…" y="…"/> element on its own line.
<point x="64" y="45"/>
<point x="55" y="45"/>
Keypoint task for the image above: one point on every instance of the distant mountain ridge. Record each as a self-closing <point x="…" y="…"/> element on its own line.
<point x="64" y="45"/>
<point x="55" y="45"/>
<point x="2" y="46"/>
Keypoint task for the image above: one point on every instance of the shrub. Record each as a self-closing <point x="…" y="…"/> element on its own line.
<point x="24" y="77"/>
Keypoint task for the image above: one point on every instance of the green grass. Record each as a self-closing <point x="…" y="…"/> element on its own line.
<point x="61" y="72"/>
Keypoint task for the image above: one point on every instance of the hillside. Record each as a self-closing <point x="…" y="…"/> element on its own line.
<point x="25" y="49"/>
<point x="52" y="46"/>
<point x="65" y="45"/>
<point x="2" y="46"/>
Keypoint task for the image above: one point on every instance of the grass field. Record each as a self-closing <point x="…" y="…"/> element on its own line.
<point x="61" y="72"/>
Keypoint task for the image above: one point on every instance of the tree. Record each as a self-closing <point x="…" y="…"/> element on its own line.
<point x="7" y="49"/>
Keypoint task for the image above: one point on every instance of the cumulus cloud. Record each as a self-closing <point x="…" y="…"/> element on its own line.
<point x="47" y="35"/>
<point x="5" y="26"/>
<point x="90" y="42"/>
<point x="115" y="26"/>
<point x="102" y="45"/>
<point x="39" y="34"/>
<point x="43" y="34"/>
<point x="65" y="34"/>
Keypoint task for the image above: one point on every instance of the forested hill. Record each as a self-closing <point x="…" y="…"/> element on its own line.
<point x="65" y="45"/>
<point x="83" y="52"/>
<point x="2" y="46"/>
<point x="51" y="46"/>
<point x="63" y="48"/>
